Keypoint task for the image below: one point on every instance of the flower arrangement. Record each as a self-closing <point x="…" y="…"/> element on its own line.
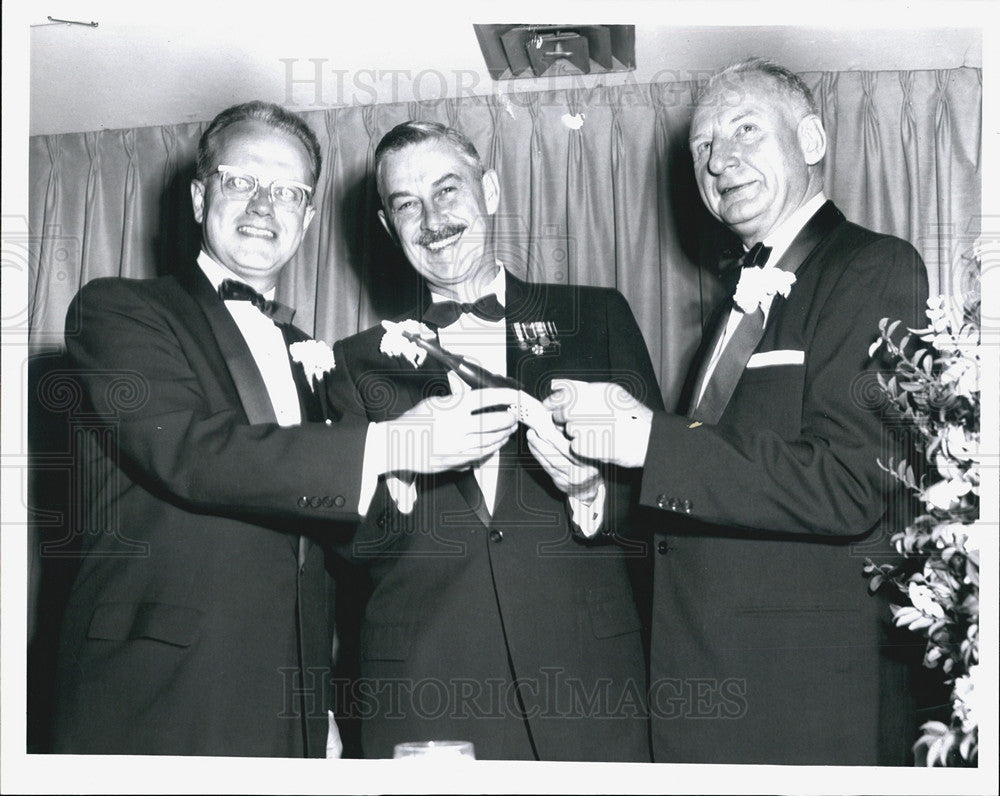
<point x="935" y="388"/>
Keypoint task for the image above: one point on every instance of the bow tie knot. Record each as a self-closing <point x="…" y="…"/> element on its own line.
<point x="756" y="257"/>
<point x="232" y="290"/>
<point x="731" y="266"/>
<point x="445" y="313"/>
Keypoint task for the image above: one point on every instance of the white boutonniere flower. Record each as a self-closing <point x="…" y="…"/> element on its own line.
<point x="757" y="285"/>
<point x="316" y="358"/>
<point x="394" y="344"/>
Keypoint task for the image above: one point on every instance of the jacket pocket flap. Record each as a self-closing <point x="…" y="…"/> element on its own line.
<point x="171" y="624"/>
<point x="612" y="614"/>
<point x="385" y="642"/>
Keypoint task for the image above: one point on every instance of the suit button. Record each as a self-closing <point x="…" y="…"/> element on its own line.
<point x="673" y="504"/>
<point x="316" y="502"/>
<point x="339" y="501"/>
<point x="662" y="548"/>
<point x="303" y="501"/>
<point x="496" y="536"/>
<point x="327" y="502"/>
<point x="380" y="522"/>
<point x="686" y="506"/>
<point x="661" y="501"/>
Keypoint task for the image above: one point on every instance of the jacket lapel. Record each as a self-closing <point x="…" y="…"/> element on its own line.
<point x="818" y="227"/>
<point x="241" y="365"/>
<point x="239" y="361"/>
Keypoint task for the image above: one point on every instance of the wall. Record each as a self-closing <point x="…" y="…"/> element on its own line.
<point x="131" y="71"/>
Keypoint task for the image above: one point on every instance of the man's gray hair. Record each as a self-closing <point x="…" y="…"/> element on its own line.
<point x="410" y="133"/>
<point x="786" y="81"/>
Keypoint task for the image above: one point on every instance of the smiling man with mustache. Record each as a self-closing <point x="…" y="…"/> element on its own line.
<point x="501" y="609"/>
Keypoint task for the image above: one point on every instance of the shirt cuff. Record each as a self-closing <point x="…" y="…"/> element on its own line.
<point x="588" y="518"/>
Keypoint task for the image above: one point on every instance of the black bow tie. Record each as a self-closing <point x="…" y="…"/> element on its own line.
<point x="231" y="290"/>
<point x="445" y="313"/>
<point x="730" y="267"/>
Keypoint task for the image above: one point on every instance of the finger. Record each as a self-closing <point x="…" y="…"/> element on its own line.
<point x="556" y="446"/>
<point x="491" y="439"/>
<point x="556" y="399"/>
<point x="493" y="396"/>
<point x="549" y="456"/>
<point x="485" y="422"/>
<point x="570" y="385"/>
<point x="578" y="447"/>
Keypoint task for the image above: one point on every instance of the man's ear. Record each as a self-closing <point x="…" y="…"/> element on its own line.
<point x="198" y="199"/>
<point x="491" y="191"/>
<point x="812" y="139"/>
<point x="388" y="226"/>
<point x="307" y="219"/>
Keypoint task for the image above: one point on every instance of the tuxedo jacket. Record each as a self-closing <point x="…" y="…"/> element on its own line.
<point x="508" y="630"/>
<point x="767" y="646"/>
<point x="198" y="623"/>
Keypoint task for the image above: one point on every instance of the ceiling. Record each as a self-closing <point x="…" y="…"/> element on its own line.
<point x="137" y="68"/>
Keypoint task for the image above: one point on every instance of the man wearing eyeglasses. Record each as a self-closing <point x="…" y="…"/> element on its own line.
<point x="198" y="623"/>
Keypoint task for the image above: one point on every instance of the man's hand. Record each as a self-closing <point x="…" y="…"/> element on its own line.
<point x="602" y="420"/>
<point x="571" y="475"/>
<point x="450" y="432"/>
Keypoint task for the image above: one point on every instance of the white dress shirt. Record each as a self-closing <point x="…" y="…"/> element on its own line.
<point x="778" y="240"/>
<point x="485" y="343"/>
<point x="266" y="344"/>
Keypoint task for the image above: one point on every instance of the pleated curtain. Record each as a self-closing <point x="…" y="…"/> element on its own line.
<point x="596" y="189"/>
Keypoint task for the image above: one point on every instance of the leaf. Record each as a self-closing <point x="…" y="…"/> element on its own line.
<point x="968" y="748"/>
<point x="947" y="741"/>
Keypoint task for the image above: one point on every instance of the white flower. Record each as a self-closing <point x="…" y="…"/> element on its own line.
<point x="946" y="494"/>
<point x="923" y="600"/>
<point x="964" y="694"/>
<point x="395" y="345"/>
<point x="964" y="374"/>
<point x="946" y="466"/>
<point x="958" y="444"/>
<point x="756" y="285"/>
<point x="316" y="358"/>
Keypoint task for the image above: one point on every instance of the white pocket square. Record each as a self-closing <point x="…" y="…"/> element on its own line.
<point x="767" y="359"/>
